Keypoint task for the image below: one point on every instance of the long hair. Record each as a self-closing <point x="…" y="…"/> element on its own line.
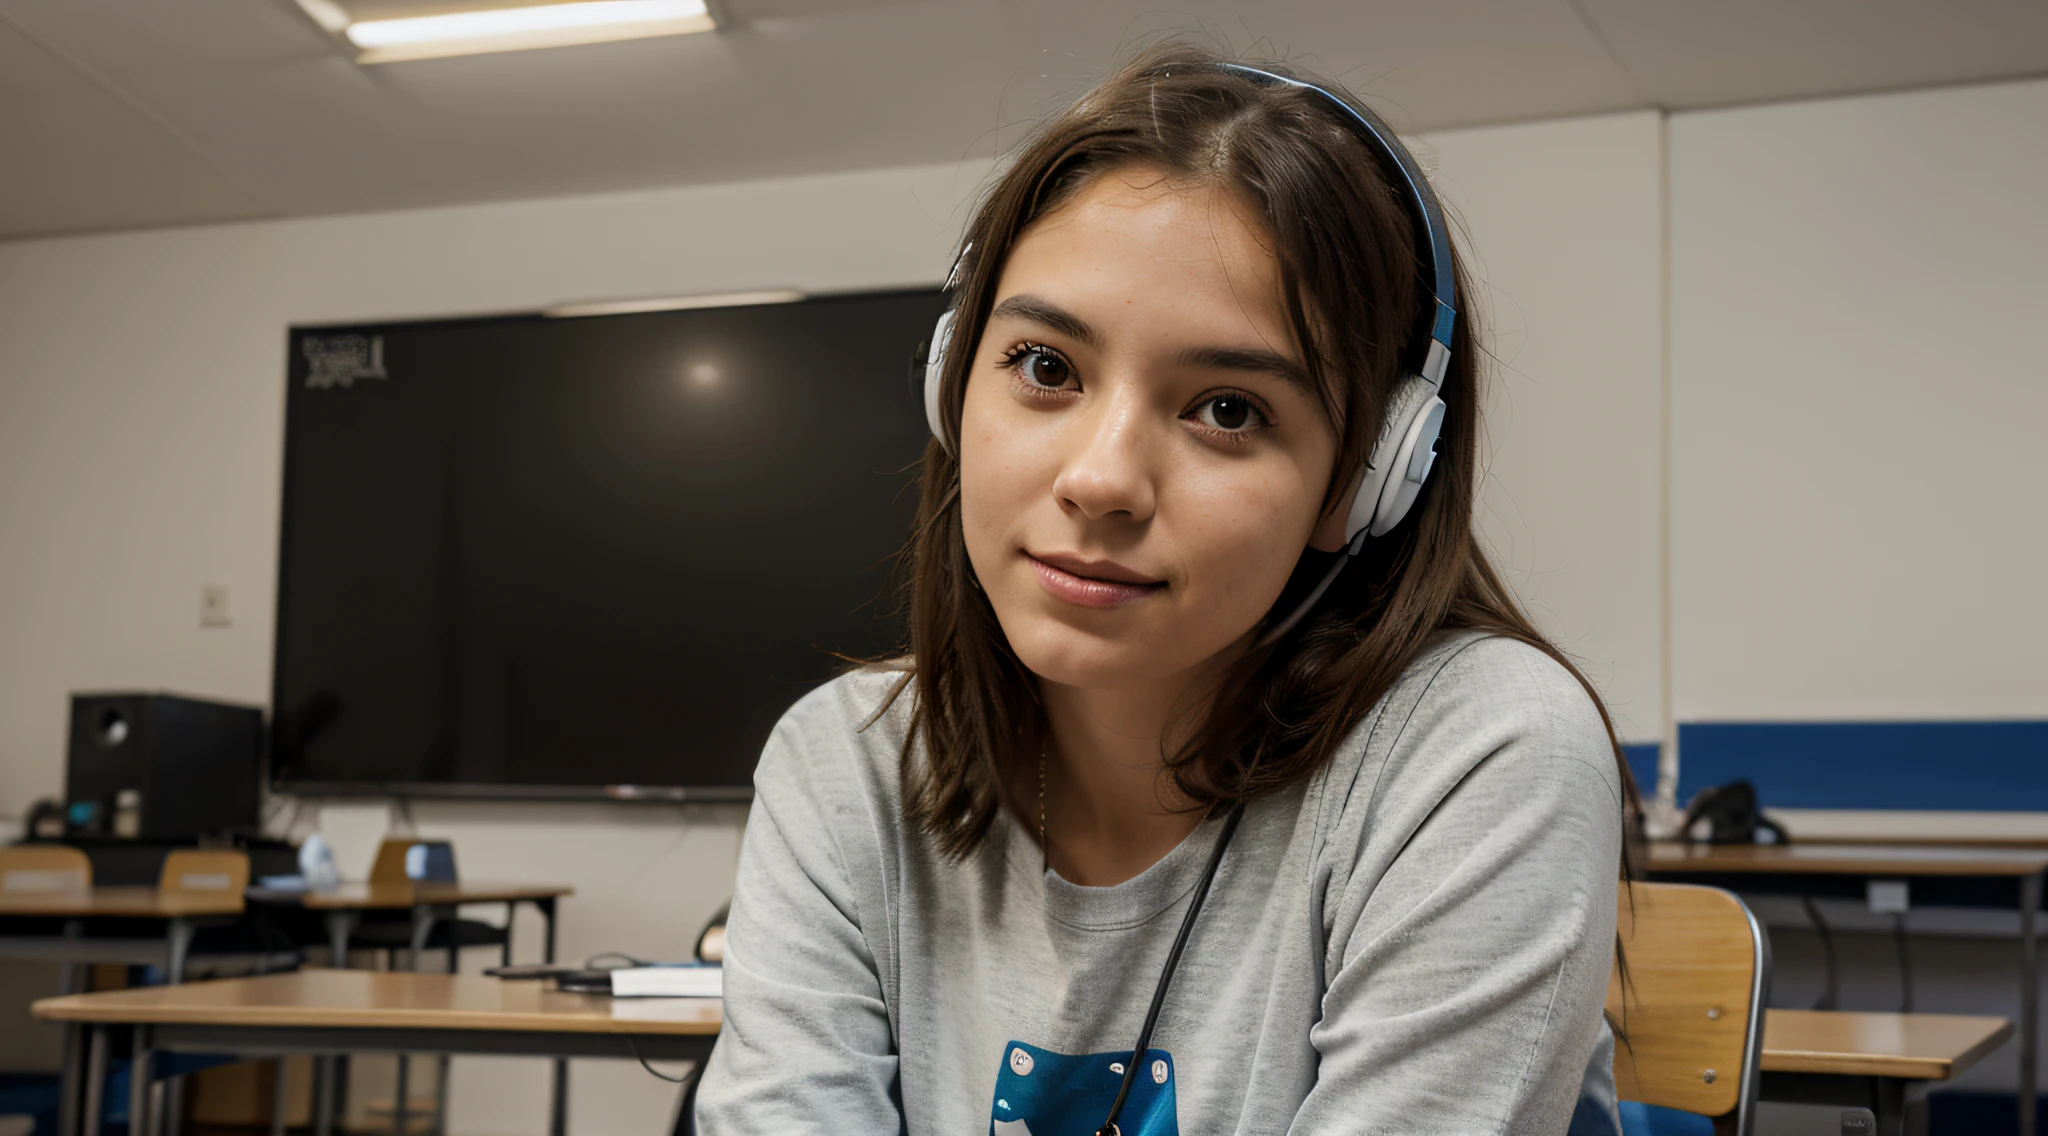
<point x="1354" y="295"/>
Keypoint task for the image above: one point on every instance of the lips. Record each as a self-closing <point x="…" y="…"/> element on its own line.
<point x="1091" y="583"/>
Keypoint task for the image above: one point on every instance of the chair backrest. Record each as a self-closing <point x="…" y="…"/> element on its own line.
<point x="44" y="868"/>
<point x="1691" y="1006"/>
<point x="203" y="870"/>
<point x="413" y="859"/>
<point x="389" y="866"/>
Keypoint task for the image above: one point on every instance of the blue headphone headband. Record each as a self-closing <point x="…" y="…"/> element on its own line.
<point x="1429" y="216"/>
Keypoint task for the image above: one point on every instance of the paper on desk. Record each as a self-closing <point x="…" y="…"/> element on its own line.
<point x="669" y="982"/>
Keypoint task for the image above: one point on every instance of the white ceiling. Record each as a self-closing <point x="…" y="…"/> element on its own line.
<point x="117" y="114"/>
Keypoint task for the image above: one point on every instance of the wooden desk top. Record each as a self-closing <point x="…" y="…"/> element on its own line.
<point x="121" y="902"/>
<point x="1922" y="1047"/>
<point x="361" y="896"/>
<point x="1928" y="1047"/>
<point x="1673" y="858"/>
<point x="1952" y="840"/>
<point x="366" y="999"/>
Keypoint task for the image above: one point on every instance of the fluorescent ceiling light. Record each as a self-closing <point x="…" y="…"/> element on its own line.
<point x="672" y="304"/>
<point x="523" y="28"/>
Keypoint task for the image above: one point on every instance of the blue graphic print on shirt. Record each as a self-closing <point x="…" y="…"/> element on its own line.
<point x="1042" y="1093"/>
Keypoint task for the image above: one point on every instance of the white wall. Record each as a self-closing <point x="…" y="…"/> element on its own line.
<point x="1566" y="244"/>
<point x="141" y="401"/>
<point x="1859" y="488"/>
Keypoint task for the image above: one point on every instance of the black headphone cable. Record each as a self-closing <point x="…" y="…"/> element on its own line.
<point x="1180" y="941"/>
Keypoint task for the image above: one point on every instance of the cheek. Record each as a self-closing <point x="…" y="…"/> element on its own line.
<point x="999" y="477"/>
<point x="1244" y="537"/>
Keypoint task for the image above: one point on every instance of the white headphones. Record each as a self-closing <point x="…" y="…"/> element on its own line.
<point x="1401" y="459"/>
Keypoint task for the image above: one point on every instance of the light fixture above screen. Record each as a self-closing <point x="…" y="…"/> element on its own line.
<point x="380" y="31"/>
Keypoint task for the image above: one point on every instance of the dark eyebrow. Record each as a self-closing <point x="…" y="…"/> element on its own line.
<point x="1253" y="359"/>
<point x="1040" y="310"/>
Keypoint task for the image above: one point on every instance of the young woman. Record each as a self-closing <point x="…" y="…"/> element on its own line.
<point x="1184" y="319"/>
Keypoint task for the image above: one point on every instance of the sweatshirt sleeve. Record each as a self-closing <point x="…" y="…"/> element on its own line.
<point x="1469" y="950"/>
<point x="807" y="1045"/>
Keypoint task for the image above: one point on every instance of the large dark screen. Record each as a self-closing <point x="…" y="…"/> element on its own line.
<point x="547" y="556"/>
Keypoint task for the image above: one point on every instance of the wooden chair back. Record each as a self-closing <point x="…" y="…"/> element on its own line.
<point x="1690" y="1007"/>
<point x="44" y="868"/>
<point x="205" y="870"/>
<point x="389" y="866"/>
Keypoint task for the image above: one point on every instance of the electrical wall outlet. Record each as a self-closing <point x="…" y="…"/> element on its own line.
<point x="1887" y="897"/>
<point x="213" y="606"/>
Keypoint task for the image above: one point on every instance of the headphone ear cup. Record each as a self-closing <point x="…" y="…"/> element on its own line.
<point x="1384" y="490"/>
<point x="934" y="370"/>
<point x="1411" y="466"/>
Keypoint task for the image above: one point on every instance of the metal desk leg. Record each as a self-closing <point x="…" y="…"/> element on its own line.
<point x="138" y="1084"/>
<point x="2030" y="999"/>
<point x="423" y="919"/>
<point x="72" y="980"/>
<point x="279" y="1098"/>
<point x="95" y="1080"/>
<point x="173" y="1119"/>
<point x="323" y="1095"/>
<point x="327" y="1070"/>
<point x="178" y="937"/>
<point x="340" y="925"/>
<point x="558" y="1108"/>
<point x="1889" y="1105"/>
<point x="558" y="1111"/>
<point x="422" y="930"/>
<point x="440" y="1127"/>
<point x="400" y="1096"/>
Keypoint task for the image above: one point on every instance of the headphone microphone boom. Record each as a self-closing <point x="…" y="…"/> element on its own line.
<point x="1405" y="451"/>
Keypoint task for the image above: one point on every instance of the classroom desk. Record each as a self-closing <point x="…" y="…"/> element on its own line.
<point x="330" y="1011"/>
<point x="1824" y="868"/>
<point x="1869" y="1060"/>
<point x="1841" y="1058"/>
<point x="341" y="910"/>
<point x="179" y="912"/>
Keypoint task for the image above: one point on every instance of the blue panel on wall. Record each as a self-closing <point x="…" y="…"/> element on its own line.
<point x="1992" y="766"/>
<point x="1642" y="761"/>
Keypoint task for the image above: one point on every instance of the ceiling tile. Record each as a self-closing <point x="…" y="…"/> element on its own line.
<point x="257" y="112"/>
<point x="1690" y="54"/>
<point x="1425" y="66"/>
<point x="79" y="158"/>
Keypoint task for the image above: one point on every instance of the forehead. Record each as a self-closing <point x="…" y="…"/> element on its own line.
<point x="1133" y="238"/>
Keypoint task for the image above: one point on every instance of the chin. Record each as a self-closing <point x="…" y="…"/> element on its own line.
<point x="1057" y="651"/>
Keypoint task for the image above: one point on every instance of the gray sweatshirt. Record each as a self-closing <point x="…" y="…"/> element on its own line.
<point x="1416" y="940"/>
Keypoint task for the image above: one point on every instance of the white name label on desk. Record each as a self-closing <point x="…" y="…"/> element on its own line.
<point x="669" y="982"/>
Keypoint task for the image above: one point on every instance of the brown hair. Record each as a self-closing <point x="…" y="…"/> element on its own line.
<point x="1354" y="295"/>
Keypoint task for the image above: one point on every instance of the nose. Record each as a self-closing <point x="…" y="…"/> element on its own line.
<point x="1106" y="471"/>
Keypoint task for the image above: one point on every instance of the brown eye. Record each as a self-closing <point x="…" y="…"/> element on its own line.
<point x="1229" y="412"/>
<point x="1042" y="368"/>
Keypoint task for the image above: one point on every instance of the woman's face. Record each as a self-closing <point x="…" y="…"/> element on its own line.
<point x="1142" y="459"/>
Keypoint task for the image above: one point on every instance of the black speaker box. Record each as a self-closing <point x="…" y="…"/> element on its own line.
<point x="162" y="768"/>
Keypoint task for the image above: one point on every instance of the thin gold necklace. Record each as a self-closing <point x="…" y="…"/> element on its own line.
<point x="1044" y="849"/>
